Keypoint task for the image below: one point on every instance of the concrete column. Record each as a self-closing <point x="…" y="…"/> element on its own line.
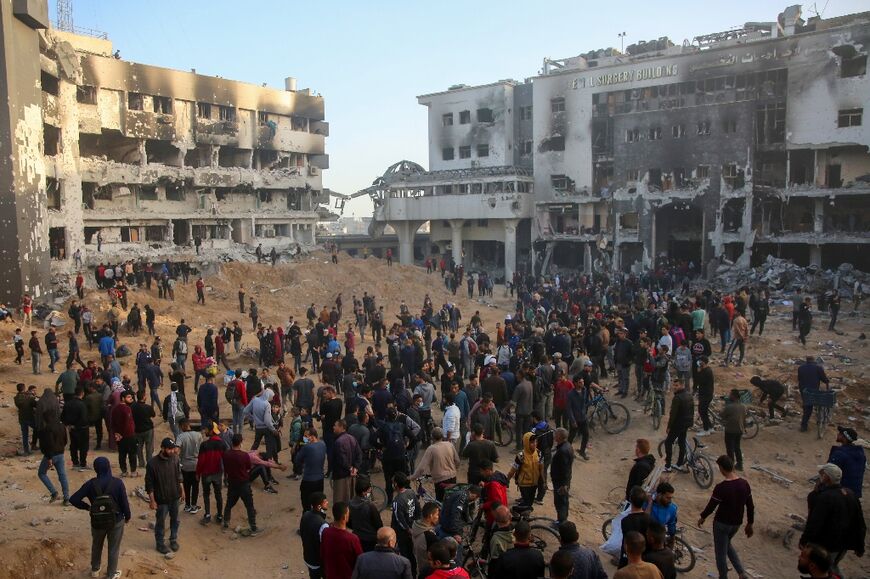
<point x="456" y="239"/>
<point x="406" y="230"/>
<point x="510" y="248"/>
<point x="818" y="216"/>
<point x="587" y="258"/>
<point x="816" y="255"/>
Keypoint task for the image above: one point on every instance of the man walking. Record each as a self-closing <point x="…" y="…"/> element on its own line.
<point x="681" y="417"/>
<point x="75" y="416"/>
<point x="560" y="473"/>
<point x="124" y="431"/>
<point x="310" y="458"/>
<point x="344" y="463"/>
<point x="237" y="465"/>
<point x="810" y="378"/>
<point x="339" y="548"/>
<point x="730" y="499"/>
<point x="106" y="498"/>
<point x="52" y="442"/>
<point x="163" y="483"/>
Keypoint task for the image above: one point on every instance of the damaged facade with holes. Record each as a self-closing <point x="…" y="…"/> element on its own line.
<point x="735" y="146"/>
<point x="153" y="161"/>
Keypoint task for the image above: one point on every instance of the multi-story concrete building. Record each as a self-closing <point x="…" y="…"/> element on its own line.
<point x="146" y="160"/>
<point x="736" y="145"/>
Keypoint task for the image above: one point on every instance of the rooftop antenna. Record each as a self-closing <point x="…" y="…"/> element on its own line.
<point x="621" y="36"/>
<point x="815" y="9"/>
<point x="65" y="15"/>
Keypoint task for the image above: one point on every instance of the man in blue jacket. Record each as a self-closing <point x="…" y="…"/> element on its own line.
<point x="104" y="484"/>
<point x="810" y="377"/>
<point x="850" y="458"/>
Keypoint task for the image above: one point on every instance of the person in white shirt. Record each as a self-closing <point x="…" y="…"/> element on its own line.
<point x="450" y="424"/>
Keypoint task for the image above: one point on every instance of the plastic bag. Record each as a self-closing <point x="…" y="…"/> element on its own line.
<point x="613" y="545"/>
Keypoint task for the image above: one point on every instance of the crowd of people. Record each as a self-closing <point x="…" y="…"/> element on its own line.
<point x="429" y="391"/>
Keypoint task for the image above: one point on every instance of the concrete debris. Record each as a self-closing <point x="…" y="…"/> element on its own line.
<point x="784" y="275"/>
<point x="774" y="475"/>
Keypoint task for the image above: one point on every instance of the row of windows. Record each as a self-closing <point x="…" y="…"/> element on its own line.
<point x="483" y="116"/>
<point x="447" y="153"/>
<point x="702" y="128"/>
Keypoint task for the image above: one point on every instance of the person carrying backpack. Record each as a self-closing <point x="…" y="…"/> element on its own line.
<point x="394" y="436"/>
<point x="105" y="497"/>
<point x="236" y="394"/>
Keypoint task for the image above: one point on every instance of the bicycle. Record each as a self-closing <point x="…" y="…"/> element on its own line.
<point x="654" y="405"/>
<point x="507" y="425"/>
<point x="696" y="461"/>
<point x="424" y="493"/>
<point x="684" y="555"/>
<point x="823" y="402"/>
<point x="613" y="416"/>
<point x="751" y="424"/>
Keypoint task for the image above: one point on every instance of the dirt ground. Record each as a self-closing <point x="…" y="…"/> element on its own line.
<point x="42" y="540"/>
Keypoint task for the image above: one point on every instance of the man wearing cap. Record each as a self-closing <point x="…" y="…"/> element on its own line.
<point x="163" y="483"/>
<point x="850" y="458"/>
<point x="835" y="519"/>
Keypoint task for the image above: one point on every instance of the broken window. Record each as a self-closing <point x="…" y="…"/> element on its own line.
<point x="203" y="110"/>
<point x="135" y="102"/>
<point x="849" y="118"/>
<point x="770" y="123"/>
<point x="679" y="177"/>
<point x="678" y="131"/>
<point x="483" y="150"/>
<point x="103" y="193"/>
<point x="465" y="152"/>
<point x="559" y="182"/>
<point x="704" y="127"/>
<point x="526" y="113"/>
<point x="855" y="66"/>
<point x="633" y="175"/>
<point x="833" y="176"/>
<point x="86" y="95"/>
<point x="464" y="117"/>
<point x="447" y="120"/>
<point x="702" y="172"/>
<point x="526" y="148"/>
<point x="52" y="192"/>
<point x="729" y="174"/>
<point x="226" y="113"/>
<point x="655" y="133"/>
<point x="557" y="105"/>
<point x="57" y="242"/>
<point x="175" y="192"/>
<point x="262" y="117"/>
<point x="51" y="140"/>
<point x="729" y="126"/>
<point x="447" y="153"/>
<point x="632" y="136"/>
<point x="49" y="83"/>
<point x="554" y="143"/>
<point x="484" y="116"/>
<point x="482" y="222"/>
<point x="163" y="105"/>
<point x="655" y="179"/>
<point x="155" y="233"/>
<point x="147" y="193"/>
<point x="88" y="190"/>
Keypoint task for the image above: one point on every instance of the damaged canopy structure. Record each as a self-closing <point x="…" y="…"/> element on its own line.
<point x="143" y="160"/>
<point x="737" y="145"/>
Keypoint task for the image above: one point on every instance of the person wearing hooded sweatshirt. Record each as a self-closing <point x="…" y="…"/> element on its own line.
<point x="101" y="485"/>
<point x="52" y="442"/>
<point x="423" y="534"/>
<point x="644" y="462"/>
<point x="365" y="519"/>
<point x="124" y="433"/>
<point x="259" y="411"/>
<point x="528" y="469"/>
<point x="850" y="458"/>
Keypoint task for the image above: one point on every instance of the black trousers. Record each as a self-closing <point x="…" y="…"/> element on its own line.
<point x="78" y="445"/>
<point x="680" y="437"/>
<point x="191" y="487"/>
<point x="391" y="467"/>
<point x="732" y="448"/>
<point x="240" y="491"/>
<point x="308" y="488"/>
<point x="127" y="448"/>
<point x="704" y="412"/>
<point x="583" y="429"/>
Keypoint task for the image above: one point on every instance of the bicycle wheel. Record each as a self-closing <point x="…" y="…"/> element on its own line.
<point x="824" y="415"/>
<point x="505" y="435"/>
<point x="702" y="471"/>
<point x="607" y="528"/>
<point x="684" y="556"/>
<point x="614" y="417"/>
<point x="379" y="498"/>
<point x="750" y="427"/>
<point x="657" y="414"/>
<point x="546" y="539"/>
<point x="472" y="563"/>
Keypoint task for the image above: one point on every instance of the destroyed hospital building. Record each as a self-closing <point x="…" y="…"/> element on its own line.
<point x="734" y="145"/>
<point x="146" y="161"/>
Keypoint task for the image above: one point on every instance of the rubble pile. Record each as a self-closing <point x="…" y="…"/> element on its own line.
<point x="782" y="274"/>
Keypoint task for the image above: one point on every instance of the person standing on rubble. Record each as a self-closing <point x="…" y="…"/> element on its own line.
<point x="805" y="320"/>
<point x="834" y="306"/>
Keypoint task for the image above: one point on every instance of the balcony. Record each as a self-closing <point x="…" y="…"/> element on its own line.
<point x="148" y="125"/>
<point x="468" y="206"/>
<point x="212" y="132"/>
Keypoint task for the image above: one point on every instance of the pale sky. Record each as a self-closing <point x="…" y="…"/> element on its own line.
<point x="370" y="60"/>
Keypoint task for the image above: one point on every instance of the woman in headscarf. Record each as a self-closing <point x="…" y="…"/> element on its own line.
<point x="528" y="469"/>
<point x="175" y="408"/>
<point x="278" y="338"/>
<point x="113" y="400"/>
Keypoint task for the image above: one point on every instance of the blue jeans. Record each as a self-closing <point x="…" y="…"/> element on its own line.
<point x="722" y="535"/>
<point x="170" y="509"/>
<point x="53" y="358"/>
<point x="25" y="435"/>
<point x="238" y="423"/>
<point x="60" y="467"/>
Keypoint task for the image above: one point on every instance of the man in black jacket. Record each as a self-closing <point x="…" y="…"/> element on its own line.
<point x="622" y="356"/>
<point x="835" y="520"/>
<point x="681" y="417"/>
<point x="75" y="417"/>
<point x="523" y="560"/>
<point x="560" y="473"/>
<point x="383" y="562"/>
<point x="704" y="385"/>
<point x="644" y="463"/>
<point x="310" y="527"/>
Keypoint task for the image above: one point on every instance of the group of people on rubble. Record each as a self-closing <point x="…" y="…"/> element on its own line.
<point x="426" y="394"/>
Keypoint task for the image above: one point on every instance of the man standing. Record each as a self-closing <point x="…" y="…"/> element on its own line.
<point x="383" y="562"/>
<point x="25" y="402"/>
<point x="739" y="335"/>
<point x="237" y="466"/>
<point x="835" y="520"/>
<point x="124" y="431"/>
<point x="681" y="417"/>
<point x="339" y="548"/>
<point x="635" y="545"/>
<point x="810" y="377"/>
<point x="310" y="458"/>
<point x="143" y="419"/>
<point x="450" y="423"/>
<point x="850" y="458"/>
<point x="622" y="356"/>
<point x="52" y="442"/>
<point x="35" y="353"/>
<point x="209" y="470"/>
<point x="344" y="463"/>
<point x="200" y="291"/>
<point x="704" y="386"/>
<point x="560" y="472"/>
<point x="479" y="451"/>
<point x="733" y="419"/>
<point x="75" y="416"/>
<point x="440" y="461"/>
<point x="51" y="348"/>
<point x="107" y="502"/>
<point x="523" y="398"/>
<point x="163" y="483"/>
<point x="587" y="565"/>
<point x="730" y="499"/>
<point x="259" y="411"/>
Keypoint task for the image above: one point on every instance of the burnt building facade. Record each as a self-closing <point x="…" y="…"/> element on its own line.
<point x="147" y="161"/>
<point x="734" y="146"/>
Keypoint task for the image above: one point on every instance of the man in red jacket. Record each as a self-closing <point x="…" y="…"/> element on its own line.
<point x="237" y="464"/>
<point x="494" y="490"/>
<point x="124" y="429"/>
<point x="209" y="469"/>
<point x="339" y="548"/>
